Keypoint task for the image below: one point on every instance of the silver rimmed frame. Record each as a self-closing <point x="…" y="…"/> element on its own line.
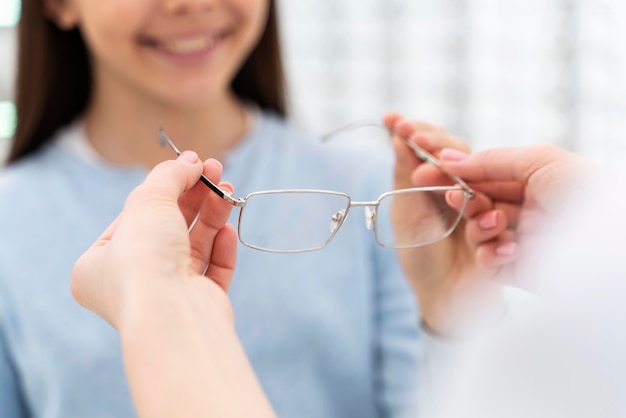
<point x="338" y="213"/>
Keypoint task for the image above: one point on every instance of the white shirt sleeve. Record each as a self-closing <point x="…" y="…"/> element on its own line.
<point x="442" y="356"/>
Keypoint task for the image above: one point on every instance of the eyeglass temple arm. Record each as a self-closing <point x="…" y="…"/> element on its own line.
<point x="419" y="152"/>
<point x="226" y="195"/>
<point x="427" y="157"/>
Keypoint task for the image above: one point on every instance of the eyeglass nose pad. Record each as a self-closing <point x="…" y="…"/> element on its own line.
<point x="369" y="217"/>
<point x="336" y="220"/>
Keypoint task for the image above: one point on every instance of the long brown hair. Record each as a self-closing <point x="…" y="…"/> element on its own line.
<point x="54" y="77"/>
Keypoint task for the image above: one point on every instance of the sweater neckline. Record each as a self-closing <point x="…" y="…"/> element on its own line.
<point x="72" y="139"/>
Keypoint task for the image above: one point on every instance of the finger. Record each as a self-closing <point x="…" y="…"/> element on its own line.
<point x="482" y="203"/>
<point x="406" y="160"/>
<point x="410" y="164"/>
<point x="504" y="164"/>
<point x="191" y="202"/>
<point x="391" y="118"/>
<point x="212" y="217"/>
<point x="406" y="163"/>
<point x="506" y="191"/>
<point x="430" y="175"/>
<point x="407" y="128"/>
<point x="166" y="182"/>
<point x="511" y="212"/>
<point x="496" y="253"/>
<point x="485" y="227"/>
<point x="430" y="137"/>
<point x="434" y="141"/>
<point x="222" y="263"/>
<point x="479" y="204"/>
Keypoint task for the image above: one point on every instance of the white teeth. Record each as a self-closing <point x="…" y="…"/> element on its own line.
<point x="189" y="46"/>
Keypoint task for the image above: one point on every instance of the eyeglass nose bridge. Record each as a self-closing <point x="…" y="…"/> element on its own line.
<point x="370" y="213"/>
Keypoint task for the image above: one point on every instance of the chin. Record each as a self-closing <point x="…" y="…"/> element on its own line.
<point x="191" y="98"/>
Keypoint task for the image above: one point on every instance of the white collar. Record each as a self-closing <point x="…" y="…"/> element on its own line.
<point x="73" y="139"/>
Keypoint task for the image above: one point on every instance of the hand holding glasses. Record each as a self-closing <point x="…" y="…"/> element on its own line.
<point x="322" y="212"/>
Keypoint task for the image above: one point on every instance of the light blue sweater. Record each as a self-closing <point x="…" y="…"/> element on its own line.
<point x="331" y="333"/>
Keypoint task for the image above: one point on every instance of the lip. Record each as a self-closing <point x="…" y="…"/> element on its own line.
<point x="190" y="48"/>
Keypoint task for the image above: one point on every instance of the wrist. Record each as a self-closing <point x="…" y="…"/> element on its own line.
<point x="461" y="312"/>
<point x="177" y="303"/>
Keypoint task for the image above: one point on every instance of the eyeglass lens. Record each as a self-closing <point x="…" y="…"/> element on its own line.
<point x="407" y="218"/>
<point x="291" y="221"/>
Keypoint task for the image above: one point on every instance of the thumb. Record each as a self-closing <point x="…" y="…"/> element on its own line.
<point x="503" y="164"/>
<point x="547" y="172"/>
<point x="166" y="182"/>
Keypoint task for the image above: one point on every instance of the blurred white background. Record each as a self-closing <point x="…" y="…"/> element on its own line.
<point x="9" y="12"/>
<point x="497" y="72"/>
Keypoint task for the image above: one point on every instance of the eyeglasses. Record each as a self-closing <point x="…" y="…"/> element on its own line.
<point x="402" y="218"/>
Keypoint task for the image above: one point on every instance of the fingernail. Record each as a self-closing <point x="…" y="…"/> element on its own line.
<point x="507" y="249"/>
<point x="188" y="156"/>
<point x="488" y="221"/>
<point x="216" y="163"/>
<point x="450" y="154"/>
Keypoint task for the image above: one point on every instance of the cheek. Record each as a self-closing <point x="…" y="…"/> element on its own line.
<point x="107" y="24"/>
<point x="254" y="12"/>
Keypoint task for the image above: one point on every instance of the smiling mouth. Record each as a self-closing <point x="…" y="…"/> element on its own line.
<point x="187" y="46"/>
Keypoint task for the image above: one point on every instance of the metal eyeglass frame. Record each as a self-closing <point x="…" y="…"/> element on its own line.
<point x="419" y="152"/>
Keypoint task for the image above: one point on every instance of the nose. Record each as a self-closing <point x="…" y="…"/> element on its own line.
<point x="183" y="7"/>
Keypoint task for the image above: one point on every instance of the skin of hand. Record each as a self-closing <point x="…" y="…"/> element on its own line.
<point x="527" y="185"/>
<point x="164" y="286"/>
<point x="448" y="279"/>
<point x="516" y="189"/>
<point x="154" y="225"/>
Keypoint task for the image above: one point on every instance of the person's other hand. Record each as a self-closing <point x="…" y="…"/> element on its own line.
<point x="148" y="251"/>
<point x="447" y="277"/>
<point x="516" y="188"/>
<point x="526" y="185"/>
